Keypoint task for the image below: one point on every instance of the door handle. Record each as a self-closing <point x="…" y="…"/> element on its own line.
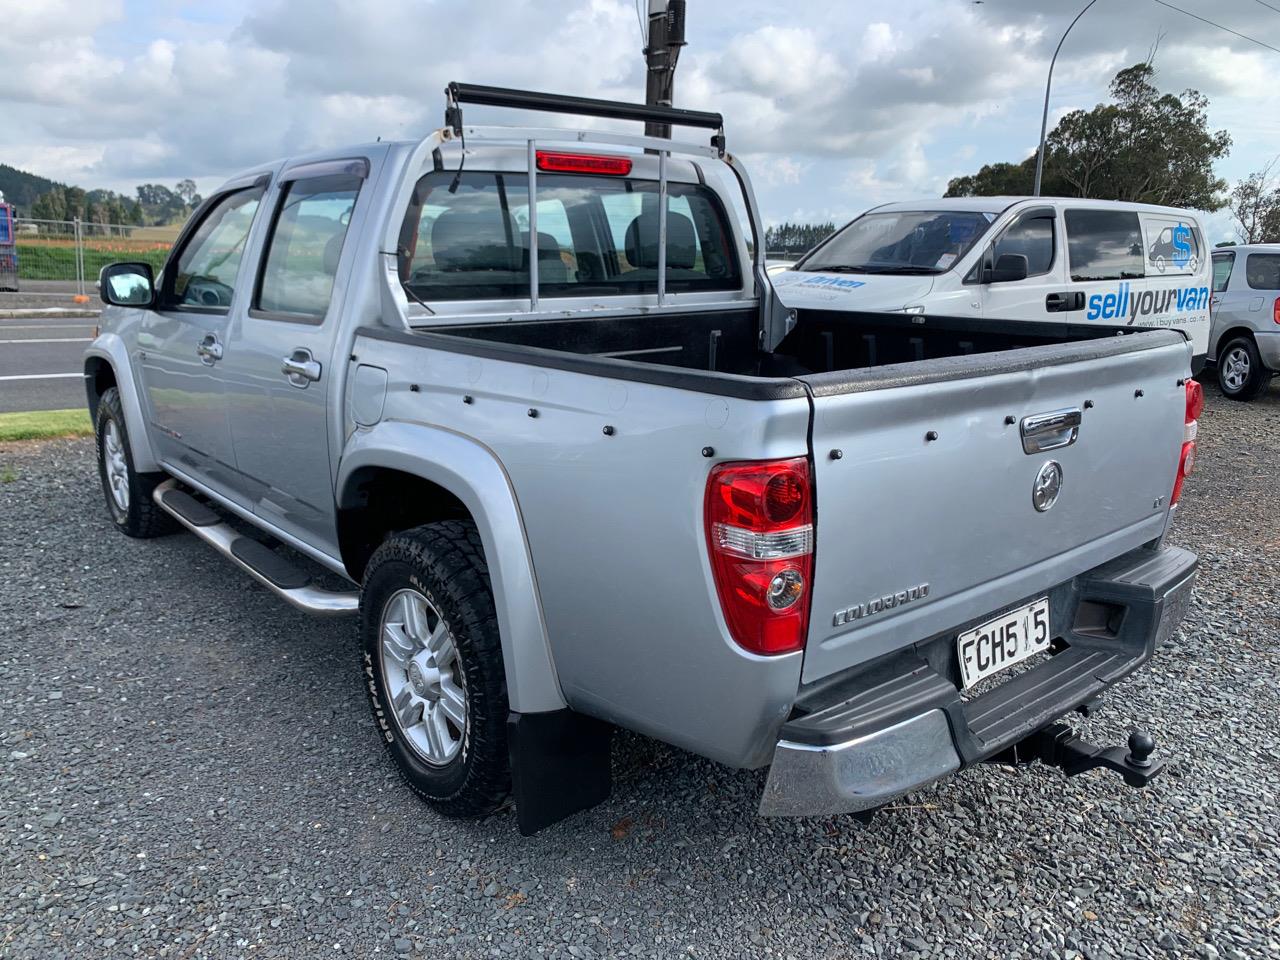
<point x="1049" y="431"/>
<point x="209" y="350"/>
<point x="301" y="368"/>
<point x="1064" y="302"/>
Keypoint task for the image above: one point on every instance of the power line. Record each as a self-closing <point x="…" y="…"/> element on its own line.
<point x="1267" y="5"/>
<point x="1242" y="36"/>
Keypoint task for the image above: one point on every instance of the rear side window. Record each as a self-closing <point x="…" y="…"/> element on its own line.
<point x="1104" y="245"/>
<point x="1262" y="271"/>
<point x="1222" y="271"/>
<point x="1033" y="239"/>
<point x="468" y="237"/>
<point x="306" y="242"/>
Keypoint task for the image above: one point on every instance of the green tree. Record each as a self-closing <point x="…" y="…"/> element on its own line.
<point x="1145" y="146"/>
<point x="796" y="237"/>
<point x="1255" y="206"/>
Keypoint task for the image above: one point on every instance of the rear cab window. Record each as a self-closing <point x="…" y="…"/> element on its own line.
<point x="1262" y="271"/>
<point x="466" y="236"/>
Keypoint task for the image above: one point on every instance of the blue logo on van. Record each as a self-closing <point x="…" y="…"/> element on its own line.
<point x="1181" y="245"/>
<point x="840" y="283"/>
<point x="1125" y="303"/>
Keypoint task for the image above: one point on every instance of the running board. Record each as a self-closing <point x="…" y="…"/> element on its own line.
<point x="266" y="566"/>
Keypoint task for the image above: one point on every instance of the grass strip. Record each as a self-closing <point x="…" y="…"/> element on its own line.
<point x="42" y="424"/>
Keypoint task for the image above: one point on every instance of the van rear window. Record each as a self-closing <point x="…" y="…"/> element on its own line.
<point x="467" y="237"/>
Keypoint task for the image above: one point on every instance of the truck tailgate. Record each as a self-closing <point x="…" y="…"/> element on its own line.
<point x="925" y="520"/>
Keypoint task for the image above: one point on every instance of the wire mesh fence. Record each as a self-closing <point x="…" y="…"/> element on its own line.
<point x="61" y="258"/>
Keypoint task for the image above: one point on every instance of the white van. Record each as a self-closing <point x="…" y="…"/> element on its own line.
<point x="1045" y="258"/>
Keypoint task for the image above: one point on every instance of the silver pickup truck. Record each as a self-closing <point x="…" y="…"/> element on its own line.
<point x="525" y="401"/>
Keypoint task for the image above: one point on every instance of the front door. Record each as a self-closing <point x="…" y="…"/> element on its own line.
<point x="1043" y="295"/>
<point x="280" y="361"/>
<point x="182" y="341"/>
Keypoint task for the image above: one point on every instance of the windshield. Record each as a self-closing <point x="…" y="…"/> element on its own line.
<point x="901" y="241"/>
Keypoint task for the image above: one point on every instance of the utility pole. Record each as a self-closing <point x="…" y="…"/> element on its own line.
<point x="661" y="51"/>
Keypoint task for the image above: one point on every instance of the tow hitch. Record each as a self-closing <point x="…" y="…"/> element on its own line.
<point x="1058" y="746"/>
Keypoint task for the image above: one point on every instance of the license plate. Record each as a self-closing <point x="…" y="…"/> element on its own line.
<point x="1004" y="641"/>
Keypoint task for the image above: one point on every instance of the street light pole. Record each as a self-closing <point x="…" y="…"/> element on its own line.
<point x="1044" y="117"/>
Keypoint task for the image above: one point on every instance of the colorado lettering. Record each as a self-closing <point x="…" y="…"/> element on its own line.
<point x="1125" y="303"/>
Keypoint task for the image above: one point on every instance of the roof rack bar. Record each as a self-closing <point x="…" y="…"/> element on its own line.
<point x="458" y="93"/>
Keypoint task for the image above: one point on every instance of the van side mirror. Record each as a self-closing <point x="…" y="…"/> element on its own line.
<point x="127" y="285"/>
<point x="1009" y="267"/>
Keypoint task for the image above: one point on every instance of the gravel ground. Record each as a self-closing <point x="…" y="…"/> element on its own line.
<point x="188" y="769"/>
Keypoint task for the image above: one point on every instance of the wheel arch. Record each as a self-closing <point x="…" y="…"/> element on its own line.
<point x="106" y="365"/>
<point x="1231" y="333"/>
<point x="398" y="475"/>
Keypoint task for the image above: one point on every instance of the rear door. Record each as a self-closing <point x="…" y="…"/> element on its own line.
<point x="926" y="521"/>
<point x="280" y="362"/>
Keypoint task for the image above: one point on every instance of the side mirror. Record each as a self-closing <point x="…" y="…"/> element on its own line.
<point x="127" y="285"/>
<point x="1009" y="267"/>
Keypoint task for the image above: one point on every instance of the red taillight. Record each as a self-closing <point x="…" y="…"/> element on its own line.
<point x="1195" y="401"/>
<point x="759" y="525"/>
<point x="1186" y="466"/>
<point x="584" y="163"/>
<point x="1275" y="310"/>
<point x="1191" y="426"/>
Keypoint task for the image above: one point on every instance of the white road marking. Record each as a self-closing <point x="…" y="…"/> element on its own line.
<point x="43" y="376"/>
<point x="46" y="326"/>
<point x="53" y="340"/>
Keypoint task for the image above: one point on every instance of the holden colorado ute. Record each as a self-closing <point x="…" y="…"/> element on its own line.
<point x="523" y="400"/>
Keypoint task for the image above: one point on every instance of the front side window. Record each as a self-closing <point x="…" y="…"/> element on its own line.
<point x="204" y="275"/>
<point x="900" y="241"/>
<point x="1262" y="271"/>
<point x="1032" y="238"/>
<point x="1104" y="245"/>
<point x="1222" y="271"/>
<point x="467" y="236"/>
<point x="306" y="243"/>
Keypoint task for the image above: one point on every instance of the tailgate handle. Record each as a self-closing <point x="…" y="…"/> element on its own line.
<point x="1050" y="431"/>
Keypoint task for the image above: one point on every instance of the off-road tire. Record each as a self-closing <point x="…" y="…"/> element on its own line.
<point x="1259" y="376"/>
<point x="445" y="562"/>
<point x="142" y="519"/>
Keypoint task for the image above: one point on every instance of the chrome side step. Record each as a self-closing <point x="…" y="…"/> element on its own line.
<point x="267" y="567"/>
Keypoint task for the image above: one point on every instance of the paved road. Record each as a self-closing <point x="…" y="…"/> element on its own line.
<point x="188" y="769"/>
<point x="40" y="361"/>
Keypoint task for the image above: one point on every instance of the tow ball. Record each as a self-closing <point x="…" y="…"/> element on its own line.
<point x="1058" y="746"/>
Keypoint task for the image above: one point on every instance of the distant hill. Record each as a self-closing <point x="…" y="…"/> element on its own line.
<point x="21" y="188"/>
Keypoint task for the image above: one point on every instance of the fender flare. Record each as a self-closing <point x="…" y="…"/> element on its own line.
<point x="111" y="349"/>
<point x="474" y="474"/>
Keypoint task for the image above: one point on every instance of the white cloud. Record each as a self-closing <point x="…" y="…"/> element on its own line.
<point x="833" y="109"/>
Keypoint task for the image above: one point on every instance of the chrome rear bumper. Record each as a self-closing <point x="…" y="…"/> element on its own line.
<point x="889" y="736"/>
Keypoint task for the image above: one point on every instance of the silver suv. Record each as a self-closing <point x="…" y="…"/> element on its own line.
<point x="1245" y="339"/>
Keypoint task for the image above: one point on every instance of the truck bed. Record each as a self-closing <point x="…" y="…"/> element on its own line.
<point x="822" y="342"/>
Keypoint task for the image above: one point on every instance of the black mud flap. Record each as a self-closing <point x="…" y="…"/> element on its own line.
<point x="559" y="765"/>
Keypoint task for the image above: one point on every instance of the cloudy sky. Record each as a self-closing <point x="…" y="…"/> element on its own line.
<point x="837" y="105"/>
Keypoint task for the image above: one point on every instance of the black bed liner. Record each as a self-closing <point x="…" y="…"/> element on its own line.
<point x="828" y="352"/>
